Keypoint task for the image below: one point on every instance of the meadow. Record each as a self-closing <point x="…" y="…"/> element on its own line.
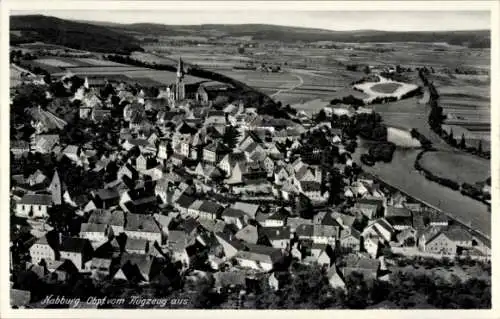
<point x="462" y="168"/>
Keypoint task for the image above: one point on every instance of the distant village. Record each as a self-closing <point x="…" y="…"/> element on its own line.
<point x="181" y="177"/>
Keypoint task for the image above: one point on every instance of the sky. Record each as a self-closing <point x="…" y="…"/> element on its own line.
<point x="331" y="20"/>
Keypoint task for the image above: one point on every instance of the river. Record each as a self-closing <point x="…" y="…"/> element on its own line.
<point x="401" y="174"/>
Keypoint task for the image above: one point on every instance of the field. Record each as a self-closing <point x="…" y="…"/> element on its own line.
<point x="95" y="68"/>
<point x="402" y="138"/>
<point x="466" y="103"/>
<point x="462" y="168"/>
<point x="386" y="88"/>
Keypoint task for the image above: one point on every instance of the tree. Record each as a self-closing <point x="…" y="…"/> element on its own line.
<point x="480" y="147"/>
<point x="230" y="137"/>
<point x="367" y="69"/>
<point x="336" y="188"/>
<point x="321" y="116"/>
<point x="462" y="142"/>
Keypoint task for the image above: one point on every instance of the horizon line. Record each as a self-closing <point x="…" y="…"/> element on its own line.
<point x="230" y="23"/>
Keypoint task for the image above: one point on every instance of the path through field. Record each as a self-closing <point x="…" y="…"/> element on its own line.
<point x="301" y="81"/>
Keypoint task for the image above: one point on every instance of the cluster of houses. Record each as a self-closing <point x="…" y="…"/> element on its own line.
<point x="186" y="189"/>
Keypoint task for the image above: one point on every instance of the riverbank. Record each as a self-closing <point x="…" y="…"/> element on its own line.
<point x="401" y="174"/>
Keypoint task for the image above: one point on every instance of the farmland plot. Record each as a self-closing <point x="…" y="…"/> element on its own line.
<point x="460" y="167"/>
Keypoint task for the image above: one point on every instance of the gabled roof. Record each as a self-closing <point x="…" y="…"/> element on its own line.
<point x="397" y="211"/>
<point x="92" y="228"/>
<point x="36" y="199"/>
<point x="74" y="244"/>
<point x="185" y="201"/>
<point x="457" y="233"/>
<point x="248" y="234"/>
<point x="210" y="207"/>
<point x="231" y="212"/>
<point x="247" y="208"/>
<point x="141" y="223"/>
<point x="276" y="233"/>
<point x="135" y="244"/>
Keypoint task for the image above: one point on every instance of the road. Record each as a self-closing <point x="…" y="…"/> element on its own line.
<point x="301" y="82"/>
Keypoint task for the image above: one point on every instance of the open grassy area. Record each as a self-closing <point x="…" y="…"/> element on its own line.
<point x="462" y="168"/>
<point x="386" y="88"/>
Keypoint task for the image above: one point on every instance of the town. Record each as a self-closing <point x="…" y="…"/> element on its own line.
<point x="192" y="190"/>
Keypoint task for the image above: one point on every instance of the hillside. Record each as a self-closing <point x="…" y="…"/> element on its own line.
<point x="476" y="38"/>
<point x="76" y="35"/>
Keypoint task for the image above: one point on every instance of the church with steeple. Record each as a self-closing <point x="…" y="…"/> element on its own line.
<point x="176" y="92"/>
<point x="180" y="87"/>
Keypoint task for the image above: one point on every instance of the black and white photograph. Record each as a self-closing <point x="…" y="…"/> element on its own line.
<point x="207" y="156"/>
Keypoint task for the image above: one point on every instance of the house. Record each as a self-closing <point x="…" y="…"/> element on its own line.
<point x="183" y="203"/>
<point x="142" y="227"/>
<point x="230" y="160"/>
<point x="37" y="178"/>
<point x="78" y="250"/>
<point x="44" y="143"/>
<point x="372" y="245"/>
<point x="19" y="298"/>
<point x="400" y="223"/>
<point x="106" y="197"/>
<point x="144" y="163"/>
<point x="427" y="233"/>
<point x="162" y="151"/>
<point x="230" y="245"/>
<point x="278" y="237"/>
<point x="249" y="209"/>
<point x="234" y="216"/>
<point x="137" y="246"/>
<point x="407" y="237"/>
<point x="214" y="152"/>
<point x="276" y="219"/>
<point x="194" y="208"/>
<point x="98" y="233"/>
<point x="72" y="152"/>
<point x="137" y="267"/>
<point x="326" y="234"/>
<point x="449" y="241"/>
<point x="335" y="279"/>
<point x="380" y="229"/>
<point x="164" y="221"/>
<point x="19" y="147"/>
<point x="41" y="250"/>
<point x="230" y="280"/>
<point x="394" y="211"/>
<point x="34" y="206"/>
<point x="258" y="257"/>
<point x="312" y="190"/>
<point x="115" y="219"/>
<point x="177" y="243"/>
<point x="319" y="254"/>
<point x="295" y="222"/>
<point x="350" y="239"/>
<point x="210" y="210"/>
<point x="208" y="171"/>
<point x="62" y="269"/>
<point x="370" y="207"/>
<point x="248" y="234"/>
<point x="100" y="267"/>
<point x="367" y="267"/>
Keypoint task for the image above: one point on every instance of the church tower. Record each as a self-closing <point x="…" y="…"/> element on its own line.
<point x="180" y="91"/>
<point x="56" y="189"/>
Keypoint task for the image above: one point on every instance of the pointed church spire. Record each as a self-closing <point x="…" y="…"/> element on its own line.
<point x="56" y="189"/>
<point x="180" y="68"/>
